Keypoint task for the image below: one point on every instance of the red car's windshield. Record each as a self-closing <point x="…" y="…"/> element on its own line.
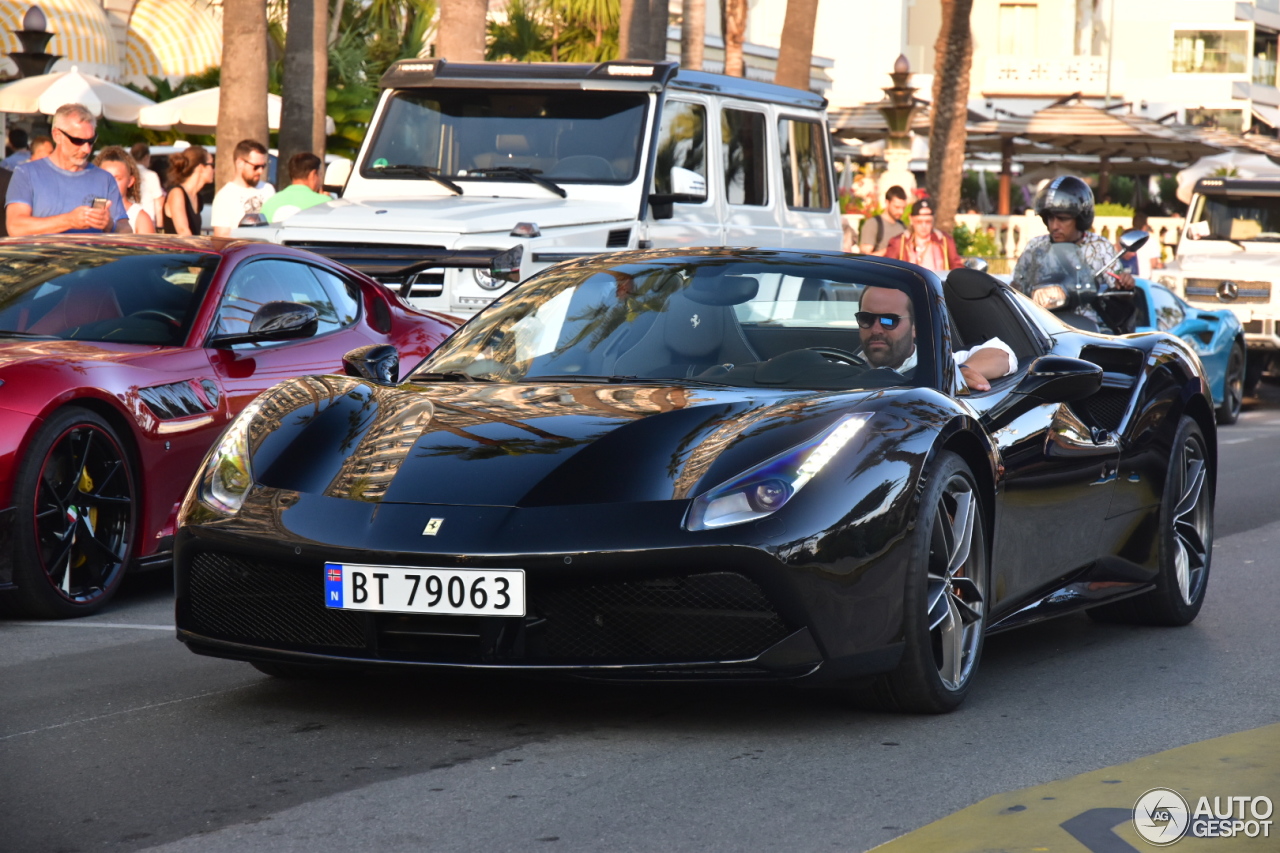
<point x="124" y="295"/>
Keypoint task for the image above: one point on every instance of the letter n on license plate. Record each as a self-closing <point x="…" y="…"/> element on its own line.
<point x="408" y="589"/>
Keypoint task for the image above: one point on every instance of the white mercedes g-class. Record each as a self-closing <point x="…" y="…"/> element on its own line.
<point x="1229" y="257"/>
<point x="473" y="176"/>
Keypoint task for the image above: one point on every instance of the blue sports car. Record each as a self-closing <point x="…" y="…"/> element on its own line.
<point x="1216" y="336"/>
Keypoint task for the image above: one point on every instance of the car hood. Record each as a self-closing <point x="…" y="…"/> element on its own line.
<point x="524" y="445"/>
<point x="1251" y="264"/>
<point x="23" y="351"/>
<point x="452" y="215"/>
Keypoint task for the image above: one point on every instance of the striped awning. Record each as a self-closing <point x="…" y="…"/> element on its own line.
<point x="82" y="35"/>
<point x="172" y="38"/>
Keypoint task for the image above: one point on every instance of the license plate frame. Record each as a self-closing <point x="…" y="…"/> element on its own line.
<point x="372" y="588"/>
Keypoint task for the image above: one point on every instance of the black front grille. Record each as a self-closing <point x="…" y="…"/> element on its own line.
<point x="707" y="617"/>
<point x="376" y="260"/>
<point x="1253" y="327"/>
<point x="231" y="598"/>
<point x="619" y="238"/>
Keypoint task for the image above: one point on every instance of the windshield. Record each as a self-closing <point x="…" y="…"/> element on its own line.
<point x="94" y="292"/>
<point x="567" y="136"/>
<point x="721" y="319"/>
<point x="1235" y="218"/>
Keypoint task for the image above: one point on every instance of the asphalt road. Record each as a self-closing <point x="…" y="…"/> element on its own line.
<point x="114" y="737"/>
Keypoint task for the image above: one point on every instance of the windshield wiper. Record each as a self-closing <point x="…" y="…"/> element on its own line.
<point x="448" y="376"/>
<point x="5" y="333"/>
<point x="532" y="175"/>
<point x="419" y="172"/>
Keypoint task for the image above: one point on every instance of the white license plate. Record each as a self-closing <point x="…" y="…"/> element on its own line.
<point x="404" y="589"/>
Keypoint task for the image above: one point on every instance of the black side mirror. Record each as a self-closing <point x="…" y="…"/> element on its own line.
<point x="378" y="363"/>
<point x="275" y="321"/>
<point x="1055" y="379"/>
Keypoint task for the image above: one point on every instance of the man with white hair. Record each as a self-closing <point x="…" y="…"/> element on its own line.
<point x="64" y="193"/>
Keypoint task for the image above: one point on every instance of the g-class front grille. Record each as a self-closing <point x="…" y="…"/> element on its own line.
<point x="380" y="261"/>
<point x="1211" y="290"/>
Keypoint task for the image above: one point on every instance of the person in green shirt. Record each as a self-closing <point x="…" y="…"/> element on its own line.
<point x="303" y="190"/>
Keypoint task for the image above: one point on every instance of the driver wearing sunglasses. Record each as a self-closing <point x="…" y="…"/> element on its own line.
<point x="64" y="193"/>
<point x="886" y="324"/>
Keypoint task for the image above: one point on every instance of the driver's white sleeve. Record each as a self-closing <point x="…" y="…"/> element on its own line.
<point x="995" y="343"/>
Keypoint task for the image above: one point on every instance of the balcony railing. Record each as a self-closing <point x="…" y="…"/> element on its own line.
<point x="1264" y="71"/>
<point x="1022" y="75"/>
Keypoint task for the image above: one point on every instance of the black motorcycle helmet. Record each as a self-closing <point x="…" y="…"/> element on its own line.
<point x="1069" y="195"/>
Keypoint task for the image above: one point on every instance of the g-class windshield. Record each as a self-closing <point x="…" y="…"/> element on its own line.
<point x="564" y="136"/>
<point x="1235" y="218"/>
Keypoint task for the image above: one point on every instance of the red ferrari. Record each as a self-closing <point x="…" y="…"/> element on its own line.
<point x="121" y="361"/>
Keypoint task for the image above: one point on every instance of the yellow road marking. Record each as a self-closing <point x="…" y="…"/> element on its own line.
<point x="1030" y="820"/>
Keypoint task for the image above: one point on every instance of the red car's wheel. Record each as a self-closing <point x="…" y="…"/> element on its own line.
<point x="76" y="516"/>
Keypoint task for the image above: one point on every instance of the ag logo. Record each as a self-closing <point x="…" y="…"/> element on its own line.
<point x="433" y="527"/>
<point x="1228" y="291"/>
<point x="1161" y="816"/>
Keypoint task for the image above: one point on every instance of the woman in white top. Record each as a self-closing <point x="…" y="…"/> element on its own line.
<point x="124" y="169"/>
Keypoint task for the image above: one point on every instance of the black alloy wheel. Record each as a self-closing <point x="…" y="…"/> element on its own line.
<point x="944" y="613"/>
<point x="1232" y="386"/>
<point x="1186" y="539"/>
<point x="76" y="516"/>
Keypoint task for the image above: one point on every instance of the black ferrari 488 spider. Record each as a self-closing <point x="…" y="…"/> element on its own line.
<point x="738" y="464"/>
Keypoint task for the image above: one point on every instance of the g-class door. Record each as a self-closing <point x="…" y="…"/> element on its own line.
<point x="809" y="215"/>
<point x="751" y="205"/>
<point x="682" y="178"/>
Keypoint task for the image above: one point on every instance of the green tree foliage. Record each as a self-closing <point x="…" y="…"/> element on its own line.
<point x="555" y="31"/>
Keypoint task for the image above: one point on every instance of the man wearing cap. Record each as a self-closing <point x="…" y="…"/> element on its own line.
<point x="924" y="245"/>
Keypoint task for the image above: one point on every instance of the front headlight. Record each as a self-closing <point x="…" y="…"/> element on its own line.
<point x="227" y="475"/>
<point x="768" y="487"/>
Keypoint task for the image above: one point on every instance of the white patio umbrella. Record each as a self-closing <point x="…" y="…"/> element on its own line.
<point x="46" y="92"/>
<point x="1237" y="164"/>
<point x="198" y="113"/>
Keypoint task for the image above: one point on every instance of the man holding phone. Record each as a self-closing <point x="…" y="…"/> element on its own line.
<point x="64" y="193"/>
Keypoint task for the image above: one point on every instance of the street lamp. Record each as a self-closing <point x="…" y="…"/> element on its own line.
<point x="898" y="113"/>
<point x="34" y="36"/>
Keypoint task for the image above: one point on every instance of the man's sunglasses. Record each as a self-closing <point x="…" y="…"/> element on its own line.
<point x="76" y="140"/>
<point x="254" y="165"/>
<point x="888" y="322"/>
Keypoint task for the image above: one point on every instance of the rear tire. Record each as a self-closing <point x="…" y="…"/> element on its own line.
<point x="1186" y="540"/>
<point x="944" y="612"/>
<point x="1232" y="386"/>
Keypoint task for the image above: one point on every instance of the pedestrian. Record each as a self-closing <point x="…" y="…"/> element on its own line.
<point x="1148" y="257"/>
<point x="41" y="147"/>
<point x="303" y="191"/>
<point x="923" y="244"/>
<point x="122" y="167"/>
<point x="20" y="154"/>
<point x="247" y="192"/>
<point x="148" y="181"/>
<point x="64" y="192"/>
<point x="189" y="172"/>
<point x="875" y="234"/>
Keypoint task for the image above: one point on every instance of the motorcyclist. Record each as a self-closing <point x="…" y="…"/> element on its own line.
<point x="1065" y="205"/>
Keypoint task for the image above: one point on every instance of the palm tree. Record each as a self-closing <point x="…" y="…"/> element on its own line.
<point x="306" y="71"/>
<point x="642" y="31"/>
<point x="693" y="34"/>
<point x="795" y="56"/>
<point x="242" y="114"/>
<point x="462" y="30"/>
<point x="733" y="23"/>
<point x="953" y="57"/>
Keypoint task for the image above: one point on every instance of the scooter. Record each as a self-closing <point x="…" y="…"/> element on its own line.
<point x="1068" y="284"/>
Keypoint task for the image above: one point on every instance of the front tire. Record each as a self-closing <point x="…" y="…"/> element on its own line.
<point x="944" y="615"/>
<point x="76" y="520"/>
<point x="1232" y="386"/>
<point x="1186" y="540"/>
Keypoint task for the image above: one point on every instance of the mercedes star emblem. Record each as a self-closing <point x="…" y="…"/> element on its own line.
<point x="1228" y="291"/>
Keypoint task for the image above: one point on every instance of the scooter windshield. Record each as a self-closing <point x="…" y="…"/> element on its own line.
<point x="1064" y="265"/>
